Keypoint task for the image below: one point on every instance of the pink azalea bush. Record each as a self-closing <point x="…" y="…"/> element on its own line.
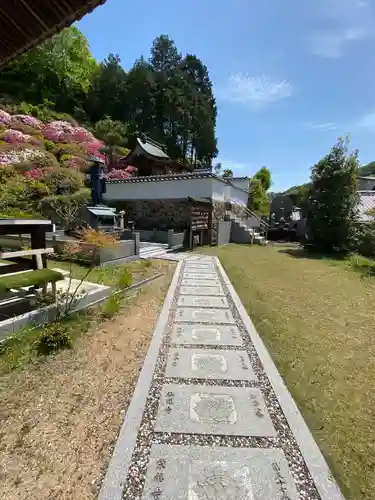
<point x="121" y="174"/>
<point x="5" y="118"/>
<point x="35" y="174"/>
<point x="31" y="121"/>
<point x="117" y="174"/>
<point x="15" y="136"/>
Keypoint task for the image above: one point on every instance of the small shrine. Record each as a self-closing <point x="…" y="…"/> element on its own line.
<point x="150" y="158"/>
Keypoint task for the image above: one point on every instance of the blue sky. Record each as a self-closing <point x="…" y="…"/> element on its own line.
<point x="289" y="76"/>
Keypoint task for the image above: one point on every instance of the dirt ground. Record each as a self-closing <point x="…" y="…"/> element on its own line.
<point x="60" y="419"/>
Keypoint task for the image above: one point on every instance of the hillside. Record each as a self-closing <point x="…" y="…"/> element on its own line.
<point x="43" y="161"/>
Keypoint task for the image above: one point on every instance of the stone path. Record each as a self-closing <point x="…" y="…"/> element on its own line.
<point x="210" y="418"/>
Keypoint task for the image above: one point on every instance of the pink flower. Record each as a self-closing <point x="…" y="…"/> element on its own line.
<point x="5" y="117"/>
<point x="21" y="155"/>
<point x="13" y="136"/>
<point x="28" y="120"/>
<point x="117" y="174"/>
<point x="80" y="134"/>
<point x="35" y="174"/>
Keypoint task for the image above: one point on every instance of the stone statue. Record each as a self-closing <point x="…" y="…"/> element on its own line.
<point x="97" y="180"/>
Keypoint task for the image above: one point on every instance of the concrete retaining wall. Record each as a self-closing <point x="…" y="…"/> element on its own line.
<point x="223" y="232"/>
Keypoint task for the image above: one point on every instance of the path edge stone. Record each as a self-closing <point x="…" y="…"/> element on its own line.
<point x="319" y="470"/>
<point x="114" y="479"/>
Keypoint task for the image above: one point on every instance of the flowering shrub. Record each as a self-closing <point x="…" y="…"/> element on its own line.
<point x="80" y="134"/>
<point x="116" y="174"/>
<point x="28" y="120"/>
<point x="15" y="136"/>
<point x="5" y="118"/>
<point x="15" y="156"/>
<point x="35" y="174"/>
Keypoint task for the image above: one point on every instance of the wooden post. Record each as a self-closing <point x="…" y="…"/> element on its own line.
<point x="38" y="240"/>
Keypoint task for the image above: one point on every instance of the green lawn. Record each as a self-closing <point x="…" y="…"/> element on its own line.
<point x="317" y="319"/>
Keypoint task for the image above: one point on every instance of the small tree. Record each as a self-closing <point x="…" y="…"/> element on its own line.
<point x="113" y="133"/>
<point x="333" y="204"/>
<point x="258" y="199"/>
<point x="228" y="172"/>
<point x="264" y="176"/>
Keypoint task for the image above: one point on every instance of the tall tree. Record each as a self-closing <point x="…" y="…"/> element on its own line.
<point x="264" y="176"/>
<point x="107" y="96"/>
<point x="258" y="199"/>
<point x="333" y="204"/>
<point x="60" y="70"/>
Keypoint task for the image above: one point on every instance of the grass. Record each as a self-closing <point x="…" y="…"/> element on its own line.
<point x="109" y="275"/>
<point x="22" y="348"/>
<point x="316" y="316"/>
<point x="61" y="415"/>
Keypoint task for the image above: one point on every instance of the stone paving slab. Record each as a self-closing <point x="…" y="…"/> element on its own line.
<point x="199" y="283"/>
<point x="205" y="409"/>
<point x="200" y="268"/>
<point x="209" y="335"/>
<point x="202" y="290"/>
<point x="213" y="364"/>
<point x="203" y="473"/>
<point x="211" y="316"/>
<point x="199" y="276"/>
<point x="193" y="301"/>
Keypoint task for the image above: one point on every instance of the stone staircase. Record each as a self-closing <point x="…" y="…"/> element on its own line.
<point x="241" y="233"/>
<point x="152" y="250"/>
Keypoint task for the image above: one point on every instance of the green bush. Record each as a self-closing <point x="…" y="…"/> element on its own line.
<point x="124" y="278"/>
<point x="49" y="145"/>
<point x="60" y="150"/>
<point x="54" y="337"/>
<point x="111" y="307"/>
<point x="63" y="181"/>
<point x="366" y="240"/>
<point x="55" y="205"/>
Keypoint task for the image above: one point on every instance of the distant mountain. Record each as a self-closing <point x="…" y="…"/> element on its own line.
<point x="368" y="169"/>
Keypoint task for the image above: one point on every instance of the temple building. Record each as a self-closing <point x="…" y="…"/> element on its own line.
<point x="150" y="158"/>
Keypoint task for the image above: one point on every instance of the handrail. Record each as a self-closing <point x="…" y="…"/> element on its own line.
<point x="253" y="214"/>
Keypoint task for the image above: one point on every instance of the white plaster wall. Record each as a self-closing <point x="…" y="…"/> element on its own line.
<point x="241" y="183"/>
<point x="220" y="190"/>
<point x="200" y="188"/>
<point x="238" y="195"/>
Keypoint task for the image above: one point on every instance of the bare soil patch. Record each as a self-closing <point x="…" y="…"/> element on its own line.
<point x="60" y="418"/>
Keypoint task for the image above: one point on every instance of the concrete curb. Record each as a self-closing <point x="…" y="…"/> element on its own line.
<point x="114" y="480"/>
<point x="319" y="470"/>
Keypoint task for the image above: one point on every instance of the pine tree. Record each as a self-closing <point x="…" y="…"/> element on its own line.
<point x="333" y="204"/>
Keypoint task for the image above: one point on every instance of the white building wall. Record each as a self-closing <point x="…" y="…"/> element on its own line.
<point x="174" y="189"/>
<point x="241" y="183"/>
<point x="162" y="190"/>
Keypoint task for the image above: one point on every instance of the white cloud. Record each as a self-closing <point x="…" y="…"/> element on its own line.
<point x="347" y="21"/>
<point x="255" y="90"/>
<point x="325" y="126"/>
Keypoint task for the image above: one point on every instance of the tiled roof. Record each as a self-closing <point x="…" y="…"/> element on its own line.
<point x="24" y="24"/>
<point x="367" y="202"/>
<point x="158" y="178"/>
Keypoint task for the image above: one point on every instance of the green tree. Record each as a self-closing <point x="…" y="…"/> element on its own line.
<point x="258" y="199"/>
<point x="264" y="175"/>
<point x="227" y="172"/>
<point x="333" y="204"/>
<point x="60" y="70"/>
<point x="107" y="96"/>
<point x="113" y="133"/>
